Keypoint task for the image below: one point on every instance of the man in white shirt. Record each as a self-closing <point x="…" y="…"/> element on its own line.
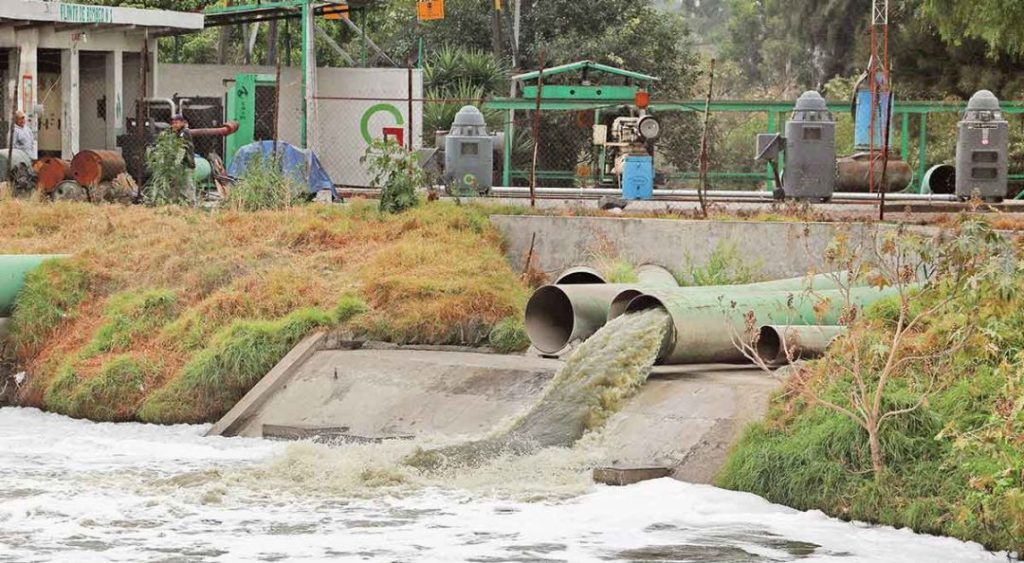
<point x="23" y="137"/>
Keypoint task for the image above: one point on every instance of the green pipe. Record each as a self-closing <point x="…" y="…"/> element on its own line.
<point x="559" y="314"/>
<point x="778" y="345"/>
<point x="817" y="282"/>
<point x="13" y="269"/>
<point x="579" y="275"/>
<point x="656" y="276"/>
<point x="706" y="326"/>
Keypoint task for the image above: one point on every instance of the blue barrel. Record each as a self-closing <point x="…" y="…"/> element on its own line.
<point x="862" y="121"/>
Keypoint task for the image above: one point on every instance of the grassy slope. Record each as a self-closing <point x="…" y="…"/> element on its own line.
<point x="170" y="315"/>
<point x="954" y="467"/>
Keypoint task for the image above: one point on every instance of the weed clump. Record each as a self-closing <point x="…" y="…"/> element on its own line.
<point x="264" y="185"/>
<point x="509" y="335"/>
<point x="396" y="171"/>
<point x="169" y="182"/>
<point x="725" y="266"/>
<point x="51" y="295"/>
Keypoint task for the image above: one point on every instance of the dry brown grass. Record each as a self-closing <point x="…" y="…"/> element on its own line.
<point x="433" y="275"/>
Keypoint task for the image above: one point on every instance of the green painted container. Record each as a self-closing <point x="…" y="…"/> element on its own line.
<point x="13" y="269"/>
<point x="203" y="170"/>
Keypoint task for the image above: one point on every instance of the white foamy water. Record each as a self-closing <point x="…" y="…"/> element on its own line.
<point x="77" y="491"/>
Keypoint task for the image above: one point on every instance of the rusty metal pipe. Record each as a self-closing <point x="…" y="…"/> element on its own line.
<point x="228" y="128"/>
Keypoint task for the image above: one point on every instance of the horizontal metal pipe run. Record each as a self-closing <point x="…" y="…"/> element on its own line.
<point x="716" y="194"/>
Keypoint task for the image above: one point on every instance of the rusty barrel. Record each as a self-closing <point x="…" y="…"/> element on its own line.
<point x="51" y="171"/>
<point x="90" y="167"/>
<point x="854" y="173"/>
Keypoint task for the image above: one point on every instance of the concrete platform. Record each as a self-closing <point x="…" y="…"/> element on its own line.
<point x="685" y="418"/>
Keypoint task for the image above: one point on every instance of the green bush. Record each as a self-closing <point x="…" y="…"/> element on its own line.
<point x="169" y="182"/>
<point x="397" y="173"/>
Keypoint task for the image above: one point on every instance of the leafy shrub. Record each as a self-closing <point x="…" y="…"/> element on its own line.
<point x="168" y="179"/>
<point x="397" y="172"/>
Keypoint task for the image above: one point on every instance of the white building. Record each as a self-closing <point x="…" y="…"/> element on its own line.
<point x="75" y="69"/>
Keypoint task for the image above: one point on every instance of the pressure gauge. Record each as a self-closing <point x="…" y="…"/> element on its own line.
<point x="649" y="128"/>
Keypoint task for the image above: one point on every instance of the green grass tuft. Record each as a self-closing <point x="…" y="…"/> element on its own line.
<point x="51" y="296"/>
<point x="130" y="316"/>
<point x="235" y="359"/>
<point x="509" y="336"/>
<point x="116" y="391"/>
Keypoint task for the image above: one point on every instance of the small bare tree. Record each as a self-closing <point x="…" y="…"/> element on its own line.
<point x="872" y="355"/>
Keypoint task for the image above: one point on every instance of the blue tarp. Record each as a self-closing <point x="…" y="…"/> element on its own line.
<point x="293" y="163"/>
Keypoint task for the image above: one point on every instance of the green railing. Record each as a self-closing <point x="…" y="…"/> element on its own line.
<point x="903" y="113"/>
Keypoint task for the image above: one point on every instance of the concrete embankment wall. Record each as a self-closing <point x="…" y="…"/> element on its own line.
<point x="781" y="249"/>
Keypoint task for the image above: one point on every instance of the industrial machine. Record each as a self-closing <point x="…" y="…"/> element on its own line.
<point x="469" y="154"/>
<point x="628" y="151"/>
<point x="809" y="148"/>
<point x="981" y="149"/>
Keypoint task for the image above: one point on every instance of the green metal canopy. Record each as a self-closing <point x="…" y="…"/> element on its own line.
<point x="632" y="83"/>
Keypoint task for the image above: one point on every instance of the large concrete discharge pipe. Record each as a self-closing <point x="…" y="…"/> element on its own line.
<point x="778" y="345"/>
<point x="557" y="315"/>
<point x="705" y="326"/>
<point x="576" y="305"/>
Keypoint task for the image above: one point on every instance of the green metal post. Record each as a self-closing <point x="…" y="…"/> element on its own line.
<point x="419" y="56"/>
<point x="905" y="147"/>
<point x="769" y="177"/>
<point x="506" y="172"/>
<point x="922" y="151"/>
<point x="306" y="34"/>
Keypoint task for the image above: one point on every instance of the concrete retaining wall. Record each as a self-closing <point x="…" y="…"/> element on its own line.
<point x="779" y="249"/>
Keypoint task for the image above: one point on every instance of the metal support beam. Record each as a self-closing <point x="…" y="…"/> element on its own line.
<point x="922" y="151"/>
<point x="308" y="74"/>
<point x="378" y="53"/>
<point x="114" y="85"/>
<point x="71" y="101"/>
<point x="334" y="45"/>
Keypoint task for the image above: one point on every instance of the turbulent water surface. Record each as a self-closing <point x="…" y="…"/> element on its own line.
<point x="77" y="491"/>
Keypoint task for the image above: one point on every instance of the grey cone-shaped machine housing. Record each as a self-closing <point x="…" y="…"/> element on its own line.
<point x="809" y="147"/>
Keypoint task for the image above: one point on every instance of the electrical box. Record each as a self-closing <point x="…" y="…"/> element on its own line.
<point x="469" y="153"/>
<point x="638" y="177"/>
<point x="810" y="149"/>
<point x="982" y="145"/>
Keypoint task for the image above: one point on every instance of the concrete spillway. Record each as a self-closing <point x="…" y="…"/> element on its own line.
<point x="684" y="417"/>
